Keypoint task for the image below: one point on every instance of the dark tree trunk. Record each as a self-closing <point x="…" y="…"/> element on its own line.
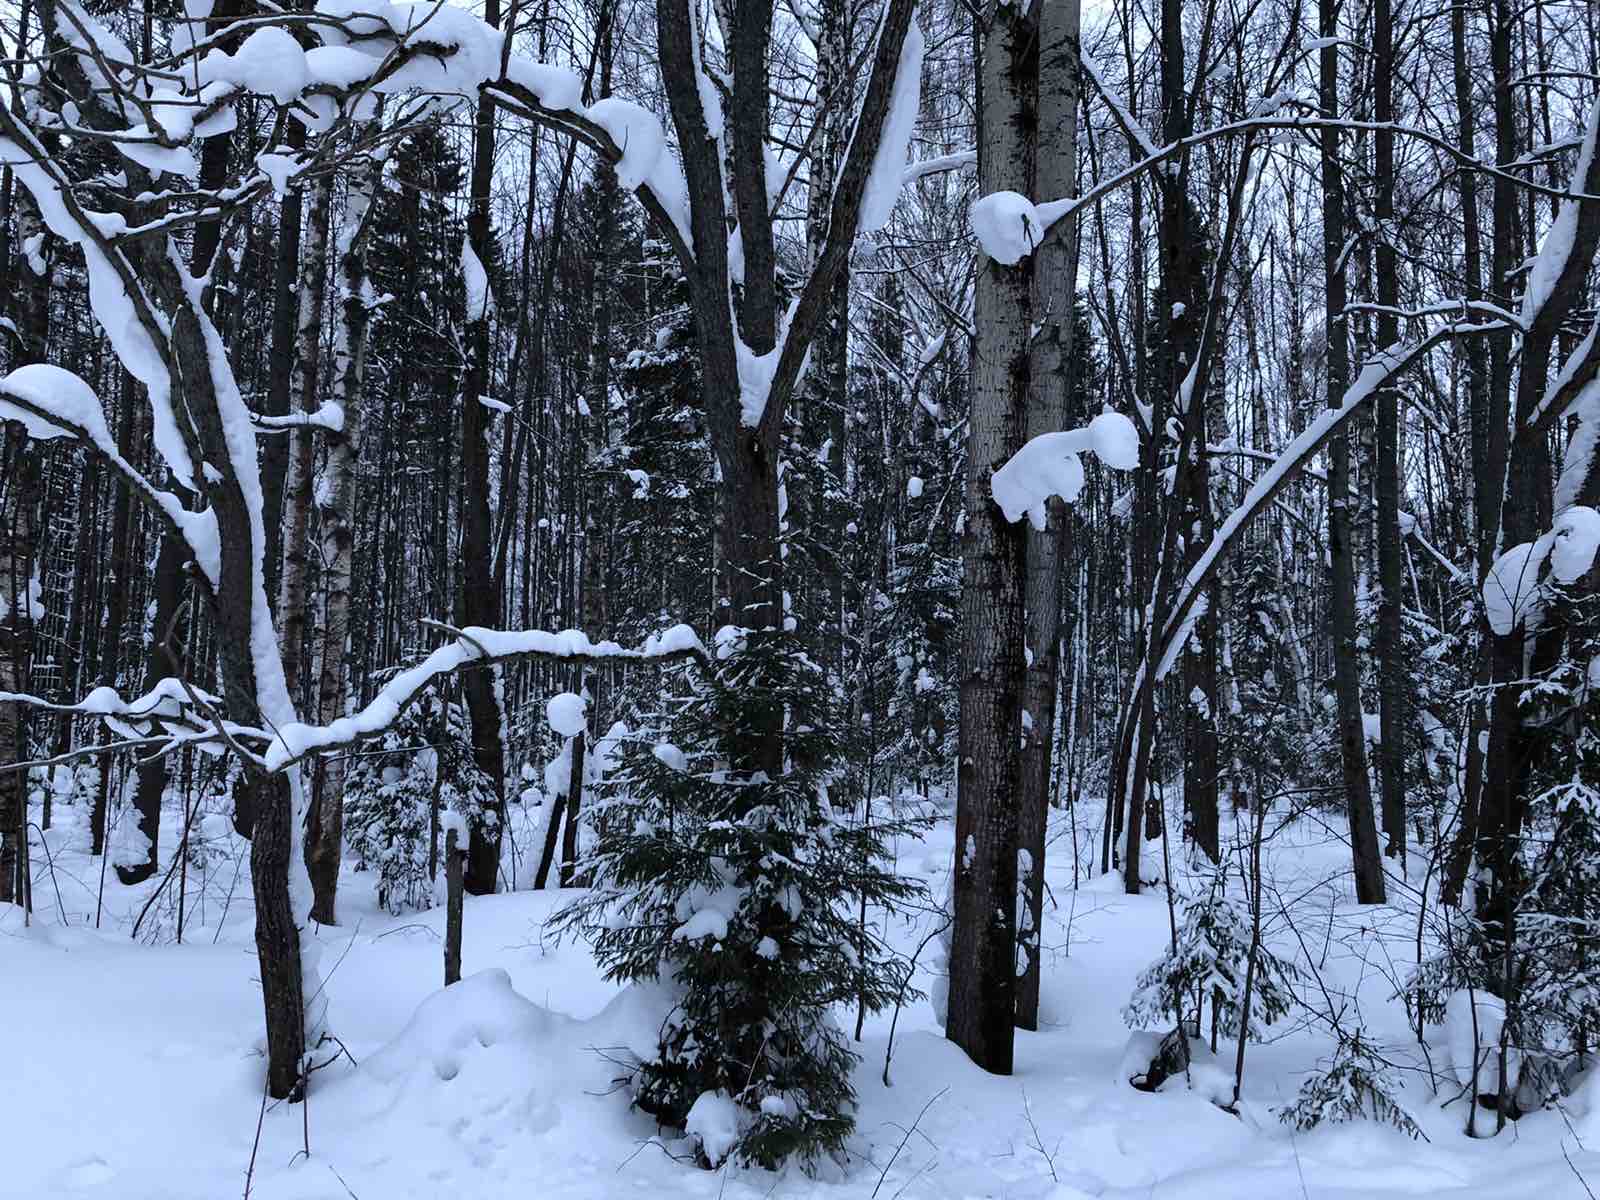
<point x="569" y="836"/>
<point x="477" y="600"/>
<point x="454" y="903"/>
<point x="1048" y="550"/>
<point x="1387" y="644"/>
<point x="982" y="998"/>
<point x="1367" y="862"/>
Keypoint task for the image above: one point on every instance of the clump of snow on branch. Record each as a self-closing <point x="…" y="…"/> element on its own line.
<point x="567" y="714"/>
<point x="479" y="302"/>
<point x="1048" y="465"/>
<point x="1007" y="226"/>
<point x="1514" y="591"/>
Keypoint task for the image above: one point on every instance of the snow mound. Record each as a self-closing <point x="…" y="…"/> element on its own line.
<point x="1511" y="592"/>
<point x="482" y="1011"/>
<point x="713" y="1121"/>
<point x="1467" y="1040"/>
<point x="1577" y="538"/>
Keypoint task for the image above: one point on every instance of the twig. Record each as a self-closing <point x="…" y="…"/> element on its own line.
<point x="261" y="1117"/>
<point x="885" y="1172"/>
<point x="1038" y="1142"/>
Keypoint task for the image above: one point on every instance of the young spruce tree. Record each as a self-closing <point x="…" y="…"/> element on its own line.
<point x="739" y="892"/>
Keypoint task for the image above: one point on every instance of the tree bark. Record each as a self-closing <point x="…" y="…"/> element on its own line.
<point x="454" y="903"/>
<point x="305" y="386"/>
<point x="1052" y="298"/>
<point x="1393" y="719"/>
<point x="1485" y="506"/>
<point x="569" y="835"/>
<point x="336" y="520"/>
<point x="275" y="450"/>
<point x="1367" y="863"/>
<point x="982" y="1005"/>
<point x="477" y="599"/>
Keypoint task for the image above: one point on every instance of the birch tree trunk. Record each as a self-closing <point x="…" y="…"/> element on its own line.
<point x="336" y="521"/>
<point x="305" y="384"/>
<point x="982" y="1007"/>
<point x="1052" y="298"/>
<point x="275" y="450"/>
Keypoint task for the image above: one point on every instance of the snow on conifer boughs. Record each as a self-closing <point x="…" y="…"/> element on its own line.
<point x="738" y="890"/>
<point x="1356" y="1085"/>
<point x="1209" y="965"/>
<point x="426" y="759"/>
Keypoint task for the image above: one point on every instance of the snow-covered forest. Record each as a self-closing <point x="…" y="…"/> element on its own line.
<point x="799" y="598"/>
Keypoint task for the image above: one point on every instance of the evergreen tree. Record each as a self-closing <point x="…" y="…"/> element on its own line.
<point x="735" y="890"/>
<point x="395" y="797"/>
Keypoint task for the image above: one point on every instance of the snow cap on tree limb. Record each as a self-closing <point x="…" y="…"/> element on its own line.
<point x="1048" y="465"/>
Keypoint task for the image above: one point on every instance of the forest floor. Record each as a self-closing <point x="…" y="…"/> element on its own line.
<point x="133" y="1069"/>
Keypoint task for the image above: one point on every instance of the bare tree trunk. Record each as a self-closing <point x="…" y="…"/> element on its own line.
<point x="336" y="517"/>
<point x="275" y="450"/>
<point x="982" y="1004"/>
<point x="17" y="552"/>
<point x="453" y="905"/>
<point x="306" y="384"/>
<point x="1391" y="670"/>
<point x="569" y="836"/>
<point x="19" y="556"/>
<point x="1485" y="485"/>
<point x="167" y="632"/>
<point x="1186" y="389"/>
<point x="1054" y="289"/>
<point x="1367" y="862"/>
<point x="477" y="599"/>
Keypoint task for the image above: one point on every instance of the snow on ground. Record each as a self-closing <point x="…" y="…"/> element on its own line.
<point x="133" y="1068"/>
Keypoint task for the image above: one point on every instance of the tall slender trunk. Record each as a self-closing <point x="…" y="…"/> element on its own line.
<point x="477" y="599"/>
<point x="982" y="1004"/>
<point x="17" y="551"/>
<point x="19" y="558"/>
<point x="1486" y="487"/>
<point x="336" y="522"/>
<point x="1387" y="643"/>
<point x="305" y="386"/>
<point x="1052" y="299"/>
<point x="1506" y="760"/>
<point x="823" y="400"/>
<point x="280" y="360"/>
<point x="1367" y="862"/>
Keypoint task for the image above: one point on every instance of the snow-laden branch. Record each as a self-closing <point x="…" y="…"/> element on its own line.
<point x="472" y="647"/>
<point x="52" y="402"/>
<point x="1519" y="583"/>
<point x="1374" y="376"/>
<point x="934" y="166"/>
<point x="1130" y="126"/>
<point x="1558" y="258"/>
<point x="175" y="712"/>
<point x="1022" y="224"/>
